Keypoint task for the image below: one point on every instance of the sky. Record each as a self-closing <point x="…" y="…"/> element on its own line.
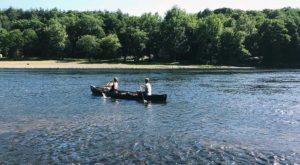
<point x="138" y="7"/>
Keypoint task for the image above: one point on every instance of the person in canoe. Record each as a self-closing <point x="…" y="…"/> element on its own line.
<point x="113" y="85"/>
<point x="147" y="87"/>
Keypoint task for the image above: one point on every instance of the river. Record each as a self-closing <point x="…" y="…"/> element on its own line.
<point x="211" y="117"/>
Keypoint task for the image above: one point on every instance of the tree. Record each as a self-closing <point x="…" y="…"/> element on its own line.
<point x="224" y="11"/>
<point x="245" y="24"/>
<point x="134" y="42"/>
<point x="174" y="33"/>
<point x="69" y="20"/>
<point x="232" y="50"/>
<point x="150" y="23"/>
<point x="3" y="41"/>
<point x="88" y="45"/>
<point x="30" y="42"/>
<point x="89" y="25"/>
<point x="272" y="14"/>
<point x="13" y="14"/>
<point x="26" y="24"/>
<point x="15" y="43"/>
<point x="293" y="51"/>
<point x="208" y="33"/>
<point x="220" y="36"/>
<point x="206" y="12"/>
<point x="56" y="38"/>
<point x="85" y="24"/>
<point x="5" y="22"/>
<point x="274" y="39"/>
<point x="113" y="22"/>
<point x="110" y="46"/>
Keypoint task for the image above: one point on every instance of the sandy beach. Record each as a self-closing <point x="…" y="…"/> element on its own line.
<point x="80" y="64"/>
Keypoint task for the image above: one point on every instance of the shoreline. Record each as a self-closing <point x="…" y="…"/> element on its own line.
<point x="56" y="64"/>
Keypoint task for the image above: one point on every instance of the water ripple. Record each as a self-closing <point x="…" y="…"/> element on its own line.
<point x="211" y="117"/>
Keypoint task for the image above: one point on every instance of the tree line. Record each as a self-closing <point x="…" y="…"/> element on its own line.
<point x="220" y="37"/>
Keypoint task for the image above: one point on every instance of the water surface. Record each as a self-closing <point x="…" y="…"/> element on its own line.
<point x="219" y="116"/>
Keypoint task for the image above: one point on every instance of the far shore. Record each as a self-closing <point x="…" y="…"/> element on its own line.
<point x="84" y="64"/>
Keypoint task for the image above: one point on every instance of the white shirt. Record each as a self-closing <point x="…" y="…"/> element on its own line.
<point x="148" y="89"/>
<point x="116" y="85"/>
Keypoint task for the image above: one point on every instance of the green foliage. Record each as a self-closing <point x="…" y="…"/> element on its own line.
<point x="89" y="25"/>
<point x="5" y="22"/>
<point x="150" y="23"/>
<point x="12" y="13"/>
<point x="174" y="33"/>
<point x="15" y="42"/>
<point x="26" y="24"/>
<point x="222" y="36"/>
<point x="134" y="42"/>
<point x="293" y="51"/>
<point x="113" y="22"/>
<point x="30" y="42"/>
<point x="3" y="41"/>
<point x="110" y="46"/>
<point x="245" y="24"/>
<point x="208" y="34"/>
<point x="80" y="24"/>
<point x="89" y="45"/>
<point x="56" y="37"/>
<point x="232" y="50"/>
<point x="274" y="39"/>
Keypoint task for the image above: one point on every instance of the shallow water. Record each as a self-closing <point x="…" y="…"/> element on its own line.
<point x="219" y="116"/>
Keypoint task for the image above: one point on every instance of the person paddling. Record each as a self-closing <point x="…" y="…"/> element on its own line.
<point x="113" y="85"/>
<point x="147" y="87"/>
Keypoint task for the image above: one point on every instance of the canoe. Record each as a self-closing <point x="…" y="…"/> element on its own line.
<point x="98" y="91"/>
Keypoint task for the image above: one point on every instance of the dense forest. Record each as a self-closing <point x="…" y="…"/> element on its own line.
<point x="220" y="37"/>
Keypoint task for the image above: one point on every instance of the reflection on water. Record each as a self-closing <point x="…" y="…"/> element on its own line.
<point x="211" y="117"/>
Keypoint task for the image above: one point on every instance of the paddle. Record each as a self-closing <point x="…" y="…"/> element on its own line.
<point x="104" y="96"/>
<point x="145" y="101"/>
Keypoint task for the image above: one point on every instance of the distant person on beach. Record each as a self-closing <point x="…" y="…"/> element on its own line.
<point x="147" y="87"/>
